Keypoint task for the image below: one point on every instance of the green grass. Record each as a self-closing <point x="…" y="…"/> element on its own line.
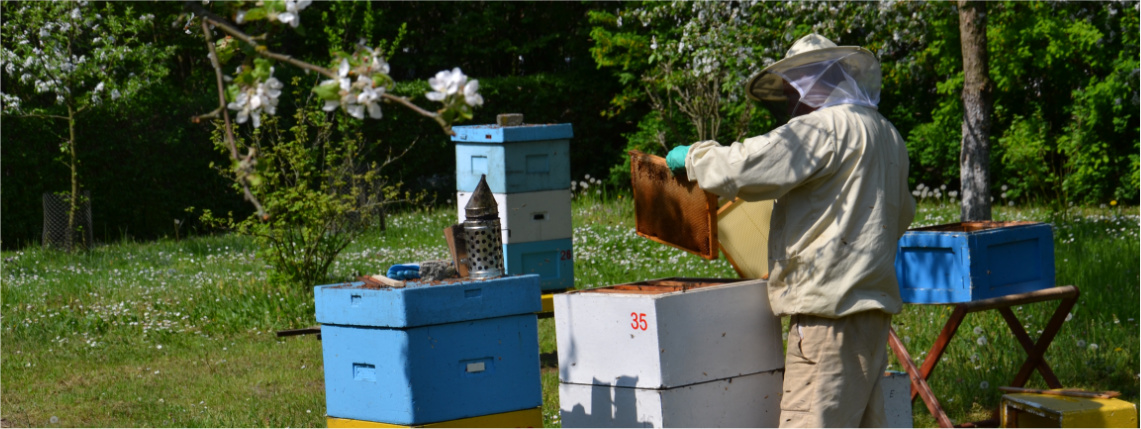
<point x="182" y="333"/>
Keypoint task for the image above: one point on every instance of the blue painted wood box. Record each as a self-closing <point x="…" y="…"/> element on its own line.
<point x="969" y="261"/>
<point x="430" y="353"/>
<point x="525" y="158"/>
<point x="552" y="260"/>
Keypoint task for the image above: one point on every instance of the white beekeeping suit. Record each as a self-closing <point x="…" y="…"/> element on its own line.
<point x="838" y="174"/>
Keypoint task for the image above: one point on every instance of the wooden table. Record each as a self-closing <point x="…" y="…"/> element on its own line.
<point x="1067" y="295"/>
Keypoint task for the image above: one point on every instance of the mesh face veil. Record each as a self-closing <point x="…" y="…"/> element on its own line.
<point x="822" y="74"/>
<point x="843" y="80"/>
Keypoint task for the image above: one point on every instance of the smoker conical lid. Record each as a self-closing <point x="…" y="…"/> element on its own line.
<point x="482" y="204"/>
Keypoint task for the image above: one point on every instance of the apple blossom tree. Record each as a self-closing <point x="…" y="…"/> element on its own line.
<point x="304" y="175"/>
<point x="63" y="60"/>
<point x="357" y="83"/>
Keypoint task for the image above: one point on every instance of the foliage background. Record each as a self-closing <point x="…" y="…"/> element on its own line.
<point x="1065" y="131"/>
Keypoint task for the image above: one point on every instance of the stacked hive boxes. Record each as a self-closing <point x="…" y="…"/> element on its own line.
<point x="669" y="353"/>
<point x="430" y="354"/>
<point x="528" y="170"/>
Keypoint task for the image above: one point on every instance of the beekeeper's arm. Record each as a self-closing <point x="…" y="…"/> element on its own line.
<point x="763" y="167"/>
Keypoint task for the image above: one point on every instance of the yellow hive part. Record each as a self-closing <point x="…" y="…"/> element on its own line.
<point x="548" y="301"/>
<point x="1035" y="410"/>
<point x="529" y="418"/>
<point x="743" y="233"/>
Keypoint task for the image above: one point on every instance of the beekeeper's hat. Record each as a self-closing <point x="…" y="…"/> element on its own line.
<point x="823" y="73"/>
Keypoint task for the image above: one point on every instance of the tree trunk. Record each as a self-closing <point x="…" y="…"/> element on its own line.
<point x="974" y="160"/>
<point x="72" y="211"/>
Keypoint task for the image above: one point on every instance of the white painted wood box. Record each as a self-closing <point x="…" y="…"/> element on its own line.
<point x="748" y="401"/>
<point x="897" y="399"/>
<point x="666" y="333"/>
<point x="528" y="216"/>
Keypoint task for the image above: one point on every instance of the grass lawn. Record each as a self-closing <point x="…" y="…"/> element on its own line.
<point x="182" y="333"/>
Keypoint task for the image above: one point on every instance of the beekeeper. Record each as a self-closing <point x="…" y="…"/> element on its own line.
<point x="838" y="174"/>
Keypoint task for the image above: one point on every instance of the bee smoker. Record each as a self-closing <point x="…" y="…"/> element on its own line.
<point x="482" y="234"/>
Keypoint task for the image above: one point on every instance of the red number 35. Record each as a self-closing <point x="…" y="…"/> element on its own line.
<point x="639" y="321"/>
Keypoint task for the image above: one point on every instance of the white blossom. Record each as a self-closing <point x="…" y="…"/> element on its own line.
<point x="471" y="94"/>
<point x="291" y="16"/>
<point x="369" y="97"/>
<point x="251" y="102"/>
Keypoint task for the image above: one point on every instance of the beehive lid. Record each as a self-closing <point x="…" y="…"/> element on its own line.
<point x="973" y="226"/>
<point x="670" y="209"/>
<point x="519" y="133"/>
<point x="426" y="303"/>
<point x="743" y="234"/>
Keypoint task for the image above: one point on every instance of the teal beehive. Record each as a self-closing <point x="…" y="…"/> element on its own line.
<point x="969" y="261"/>
<point x="430" y="352"/>
<point x="523" y="158"/>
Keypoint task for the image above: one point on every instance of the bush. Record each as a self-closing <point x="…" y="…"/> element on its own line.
<point x="317" y="192"/>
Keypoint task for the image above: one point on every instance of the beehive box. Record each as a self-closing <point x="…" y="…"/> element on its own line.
<point x="529" y="418"/>
<point x="969" y="261"/>
<point x="430" y="353"/>
<point x="747" y="401"/>
<point x="1032" y="410"/>
<point x="528" y="216"/>
<point x="672" y="210"/>
<point x="896" y="389"/>
<point x="525" y="158"/>
<point x="666" y="333"/>
<point x="551" y="260"/>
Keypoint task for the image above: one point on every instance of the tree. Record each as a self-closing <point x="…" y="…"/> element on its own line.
<point x="689" y="61"/>
<point x="977" y="110"/>
<point x="312" y="194"/>
<point x="65" y="59"/>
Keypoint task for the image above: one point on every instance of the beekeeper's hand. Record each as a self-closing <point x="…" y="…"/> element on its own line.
<point x="675" y="160"/>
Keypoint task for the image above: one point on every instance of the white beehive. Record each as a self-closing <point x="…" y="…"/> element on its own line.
<point x="666" y="333"/>
<point x="897" y="399"/>
<point x="748" y="401"/>
<point x="529" y="216"/>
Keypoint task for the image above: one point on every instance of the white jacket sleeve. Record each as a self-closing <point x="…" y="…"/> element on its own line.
<point x="763" y="167"/>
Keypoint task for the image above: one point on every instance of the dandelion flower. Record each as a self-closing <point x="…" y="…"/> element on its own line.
<point x="984" y="385"/>
<point x="978" y="330"/>
<point x="1093" y="347"/>
<point x="981" y="341"/>
<point x="1081" y="343"/>
<point x="54" y="420"/>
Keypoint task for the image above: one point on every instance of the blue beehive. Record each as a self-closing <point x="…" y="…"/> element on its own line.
<point x="430" y="353"/>
<point x="525" y="158"/>
<point x="552" y="260"/>
<point x="970" y="261"/>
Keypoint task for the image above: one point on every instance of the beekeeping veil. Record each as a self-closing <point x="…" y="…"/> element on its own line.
<point x="824" y="74"/>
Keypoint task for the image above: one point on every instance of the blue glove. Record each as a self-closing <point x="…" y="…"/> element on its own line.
<point x="403" y="272"/>
<point x="675" y="160"/>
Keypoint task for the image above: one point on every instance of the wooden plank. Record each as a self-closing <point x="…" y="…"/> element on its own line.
<point x="1076" y="393"/>
<point x="457" y="247"/>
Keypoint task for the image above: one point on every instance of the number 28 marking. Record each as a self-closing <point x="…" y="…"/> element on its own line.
<point x="639" y="321"/>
